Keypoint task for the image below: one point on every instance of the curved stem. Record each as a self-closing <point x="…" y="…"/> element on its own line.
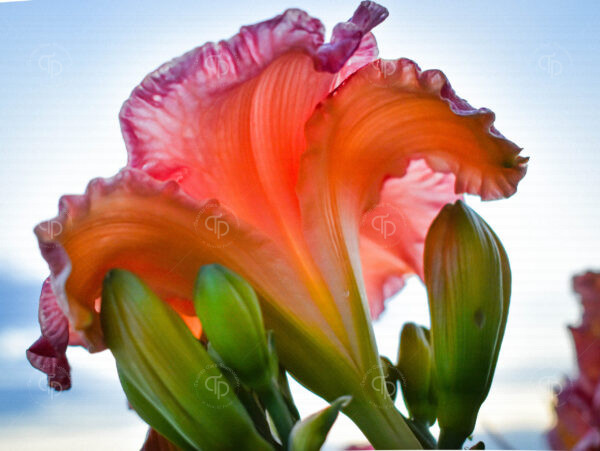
<point x="383" y="425"/>
<point x="422" y="433"/>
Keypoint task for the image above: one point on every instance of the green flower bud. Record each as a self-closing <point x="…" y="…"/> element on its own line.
<point x="167" y="375"/>
<point x="230" y="314"/>
<point x="468" y="283"/>
<point x="310" y="433"/>
<point x="415" y="367"/>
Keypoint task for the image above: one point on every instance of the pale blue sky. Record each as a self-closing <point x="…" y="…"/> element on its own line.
<point x="66" y="67"/>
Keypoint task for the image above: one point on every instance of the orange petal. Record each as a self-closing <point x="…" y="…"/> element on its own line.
<point x="227" y="120"/>
<point x="134" y="222"/>
<point x="387" y="114"/>
<point x="392" y="233"/>
<point x="153" y="229"/>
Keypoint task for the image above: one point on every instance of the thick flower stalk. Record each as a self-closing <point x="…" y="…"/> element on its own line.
<point x="311" y="169"/>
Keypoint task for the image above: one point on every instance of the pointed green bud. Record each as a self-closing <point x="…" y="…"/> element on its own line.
<point x="415" y="367"/>
<point x="468" y="285"/>
<point x="167" y="375"/>
<point x="310" y="433"/>
<point x="230" y="314"/>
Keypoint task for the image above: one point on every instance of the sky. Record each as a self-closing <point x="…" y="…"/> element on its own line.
<point x="67" y="66"/>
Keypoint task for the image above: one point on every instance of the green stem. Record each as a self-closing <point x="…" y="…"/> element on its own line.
<point x="278" y="410"/>
<point x="422" y="433"/>
<point x="451" y="439"/>
<point x="383" y="425"/>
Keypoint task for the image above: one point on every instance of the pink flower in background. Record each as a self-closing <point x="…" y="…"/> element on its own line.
<point x="578" y="403"/>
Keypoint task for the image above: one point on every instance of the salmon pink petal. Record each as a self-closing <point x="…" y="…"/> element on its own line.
<point x="226" y="120"/>
<point x="385" y="115"/>
<point x="48" y="353"/>
<point x="392" y="233"/>
<point x="383" y="272"/>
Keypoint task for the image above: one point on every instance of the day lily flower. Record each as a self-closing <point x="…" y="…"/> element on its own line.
<point x="311" y="169"/>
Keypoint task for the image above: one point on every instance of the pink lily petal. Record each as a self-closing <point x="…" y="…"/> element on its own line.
<point x="226" y="120"/>
<point x="392" y="237"/>
<point x="48" y="353"/>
